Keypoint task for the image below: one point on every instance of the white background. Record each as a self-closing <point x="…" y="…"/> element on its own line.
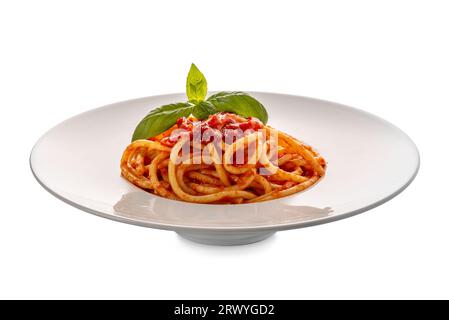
<point x="60" y="58"/>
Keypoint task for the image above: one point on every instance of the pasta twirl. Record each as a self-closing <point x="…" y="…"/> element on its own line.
<point x="240" y="161"/>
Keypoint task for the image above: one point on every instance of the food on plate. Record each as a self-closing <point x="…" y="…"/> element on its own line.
<point x="218" y="150"/>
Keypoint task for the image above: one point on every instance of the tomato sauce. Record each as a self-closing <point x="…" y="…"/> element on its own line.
<point x="227" y="126"/>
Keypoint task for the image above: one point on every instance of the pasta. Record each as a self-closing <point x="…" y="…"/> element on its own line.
<point x="225" y="159"/>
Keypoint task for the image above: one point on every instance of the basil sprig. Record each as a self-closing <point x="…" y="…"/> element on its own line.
<point x="164" y="117"/>
<point x="240" y="103"/>
<point x="196" y="86"/>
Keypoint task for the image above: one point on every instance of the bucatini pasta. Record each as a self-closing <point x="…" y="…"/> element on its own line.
<point x="224" y="159"/>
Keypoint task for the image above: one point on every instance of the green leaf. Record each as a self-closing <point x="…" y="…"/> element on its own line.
<point x="196" y="87"/>
<point x="161" y="119"/>
<point x="203" y="109"/>
<point x="240" y="103"/>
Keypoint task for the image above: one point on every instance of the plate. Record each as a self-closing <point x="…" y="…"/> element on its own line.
<point x="369" y="162"/>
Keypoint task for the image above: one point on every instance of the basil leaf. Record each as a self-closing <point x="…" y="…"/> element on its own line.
<point x="240" y="103"/>
<point x="196" y="86"/>
<point x="161" y="119"/>
<point x="203" y="109"/>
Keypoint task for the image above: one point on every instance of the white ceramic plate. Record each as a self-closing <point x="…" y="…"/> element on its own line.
<point x="369" y="162"/>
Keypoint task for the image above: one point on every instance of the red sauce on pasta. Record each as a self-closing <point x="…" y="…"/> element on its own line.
<point x="226" y="126"/>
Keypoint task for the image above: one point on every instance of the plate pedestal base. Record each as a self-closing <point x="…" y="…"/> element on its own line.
<point x="220" y="238"/>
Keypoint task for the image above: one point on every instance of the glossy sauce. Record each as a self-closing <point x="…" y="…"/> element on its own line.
<point x="227" y="126"/>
